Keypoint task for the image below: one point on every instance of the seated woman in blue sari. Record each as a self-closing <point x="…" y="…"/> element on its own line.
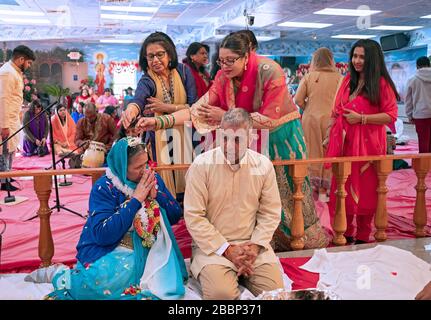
<point x="127" y="249"/>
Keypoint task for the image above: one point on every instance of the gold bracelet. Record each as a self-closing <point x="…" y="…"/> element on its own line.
<point x="136" y="106"/>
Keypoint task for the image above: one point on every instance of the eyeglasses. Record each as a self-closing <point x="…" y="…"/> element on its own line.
<point x="228" y="62"/>
<point x="160" y="55"/>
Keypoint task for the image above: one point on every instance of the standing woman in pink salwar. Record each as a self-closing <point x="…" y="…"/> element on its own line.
<point x="365" y="104"/>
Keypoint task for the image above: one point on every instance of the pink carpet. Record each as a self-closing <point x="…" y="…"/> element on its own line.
<point x="20" y="241"/>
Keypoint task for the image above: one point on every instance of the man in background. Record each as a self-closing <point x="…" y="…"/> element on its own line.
<point x="418" y="103"/>
<point x="11" y="99"/>
<point x="95" y="126"/>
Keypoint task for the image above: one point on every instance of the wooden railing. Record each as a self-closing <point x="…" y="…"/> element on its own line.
<point x="341" y="168"/>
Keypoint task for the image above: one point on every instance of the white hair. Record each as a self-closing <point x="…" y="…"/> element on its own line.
<point x="237" y="117"/>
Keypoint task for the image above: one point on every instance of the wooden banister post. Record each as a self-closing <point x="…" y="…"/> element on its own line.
<point x="383" y="167"/>
<point x="341" y="171"/>
<point x="421" y="167"/>
<point x="298" y="172"/>
<point x="42" y="187"/>
<point x="95" y="176"/>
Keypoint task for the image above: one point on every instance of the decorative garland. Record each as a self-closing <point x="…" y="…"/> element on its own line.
<point x="147" y="219"/>
<point x="148" y="225"/>
<point x="123" y="66"/>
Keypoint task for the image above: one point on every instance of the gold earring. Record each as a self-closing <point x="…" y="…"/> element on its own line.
<point x="245" y="67"/>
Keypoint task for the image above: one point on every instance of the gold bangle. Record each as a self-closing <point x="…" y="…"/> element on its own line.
<point x="158" y="123"/>
<point x="136" y="106"/>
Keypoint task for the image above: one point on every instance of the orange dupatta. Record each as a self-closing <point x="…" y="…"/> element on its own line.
<point x="64" y="134"/>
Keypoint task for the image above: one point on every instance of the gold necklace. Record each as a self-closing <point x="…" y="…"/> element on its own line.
<point x="358" y="89"/>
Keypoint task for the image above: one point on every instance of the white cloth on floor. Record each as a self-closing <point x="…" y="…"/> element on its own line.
<point x="13" y="287"/>
<point x="37" y="284"/>
<point x="380" y="273"/>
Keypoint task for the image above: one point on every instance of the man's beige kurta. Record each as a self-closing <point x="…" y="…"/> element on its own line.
<point x="11" y="98"/>
<point x="227" y="204"/>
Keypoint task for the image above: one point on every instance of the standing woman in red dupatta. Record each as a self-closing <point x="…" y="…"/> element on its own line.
<point x="197" y="59"/>
<point x="257" y="84"/>
<point x="365" y="104"/>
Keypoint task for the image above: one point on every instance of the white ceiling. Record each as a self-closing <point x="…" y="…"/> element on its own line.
<point x="199" y="20"/>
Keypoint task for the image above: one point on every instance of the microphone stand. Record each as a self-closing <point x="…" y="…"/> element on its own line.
<point x="62" y="160"/>
<point x="58" y="205"/>
<point x="1" y="237"/>
<point x="3" y="144"/>
<point x="65" y="183"/>
<point x="9" y="198"/>
<point x="67" y="155"/>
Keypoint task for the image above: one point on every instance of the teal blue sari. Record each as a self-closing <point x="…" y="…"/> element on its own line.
<point x="126" y="273"/>
<point x="286" y="142"/>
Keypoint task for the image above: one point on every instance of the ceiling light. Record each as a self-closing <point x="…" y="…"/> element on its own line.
<point x="266" y="38"/>
<point x="396" y="28"/>
<point x="116" y="41"/>
<point x="426" y="17"/>
<point x="26" y="20"/>
<point x="129" y="9"/>
<point x="22" y="13"/>
<point x="313" y="25"/>
<point x="347" y="12"/>
<point x="353" y="36"/>
<point x="124" y="17"/>
<point x="219" y="36"/>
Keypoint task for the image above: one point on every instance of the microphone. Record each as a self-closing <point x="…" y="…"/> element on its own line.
<point x="68" y="154"/>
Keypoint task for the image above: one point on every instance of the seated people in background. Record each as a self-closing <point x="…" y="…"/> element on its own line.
<point x="36" y="132"/>
<point x="232" y="207"/>
<point x="92" y="92"/>
<point x="425" y="294"/>
<point x="107" y="99"/>
<point x="64" y="131"/>
<point x="112" y="112"/>
<point x="78" y="114"/>
<point x="84" y="97"/>
<point x="127" y="249"/>
<point x="128" y="96"/>
<point x="95" y="127"/>
<point x="129" y="93"/>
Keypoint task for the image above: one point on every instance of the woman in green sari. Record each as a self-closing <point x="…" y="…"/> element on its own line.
<point x="256" y="84"/>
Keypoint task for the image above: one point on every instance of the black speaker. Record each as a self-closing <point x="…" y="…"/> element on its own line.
<point x="394" y="41"/>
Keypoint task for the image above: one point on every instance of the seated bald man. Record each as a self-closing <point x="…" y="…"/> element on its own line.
<point x="232" y="207"/>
